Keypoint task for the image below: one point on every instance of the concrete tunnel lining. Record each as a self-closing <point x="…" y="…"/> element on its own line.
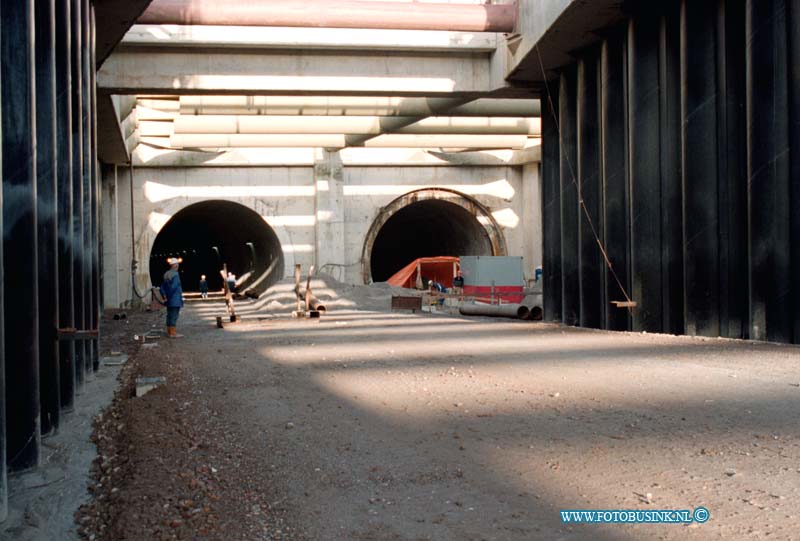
<point x="428" y="222"/>
<point x="232" y="228"/>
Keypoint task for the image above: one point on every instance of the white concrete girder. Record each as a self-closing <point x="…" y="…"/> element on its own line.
<point x="345" y="106"/>
<point x="339" y="141"/>
<point x="365" y="125"/>
<point x="150" y="156"/>
<point x="282" y="73"/>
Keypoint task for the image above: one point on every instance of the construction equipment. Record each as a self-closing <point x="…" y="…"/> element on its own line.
<point x="307" y="304"/>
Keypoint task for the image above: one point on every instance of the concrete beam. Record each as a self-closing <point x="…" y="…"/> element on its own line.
<point x="339" y="141"/>
<point x="339" y="14"/>
<point x="148" y="156"/>
<point x="287" y="73"/>
<point x="249" y="37"/>
<point x="550" y="30"/>
<point x="340" y="106"/>
<point x="111" y="139"/>
<point x="365" y="125"/>
<point x="114" y="18"/>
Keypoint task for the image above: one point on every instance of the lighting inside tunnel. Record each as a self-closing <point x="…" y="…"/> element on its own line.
<point x="425" y="229"/>
<point x="212" y="233"/>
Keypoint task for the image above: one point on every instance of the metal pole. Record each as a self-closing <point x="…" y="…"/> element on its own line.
<point x="133" y="236"/>
<point x="20" y="239"/>
<point x="47" y="213"/>
<point x="66" y="305"/>
<point x="3" y="474"/>
<point x="95" y="192"/>
<point x="88" y="244"/>
<point x="77" y="187"/>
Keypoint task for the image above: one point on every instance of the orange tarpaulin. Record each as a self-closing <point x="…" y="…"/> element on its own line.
<point x="439" y="269"/>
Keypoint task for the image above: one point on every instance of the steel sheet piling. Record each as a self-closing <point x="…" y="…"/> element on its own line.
<point x="20" y="234"/>
<point x="77" y="187"/>
<point x="66" y="305"/>
<point x="47" y="214"/>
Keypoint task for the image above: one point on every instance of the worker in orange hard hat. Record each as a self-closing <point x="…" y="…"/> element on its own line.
<point x="173" y="296"/>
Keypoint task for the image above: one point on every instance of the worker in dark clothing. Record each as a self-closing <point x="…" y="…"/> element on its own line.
<point x="203" y="287"/>
<point x="172" y="292"/>
<point x="458" y="285"/>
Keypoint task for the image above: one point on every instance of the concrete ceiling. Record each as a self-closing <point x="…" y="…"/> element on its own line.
<point x="557" y="28"/>
<point x="114" y="18"/>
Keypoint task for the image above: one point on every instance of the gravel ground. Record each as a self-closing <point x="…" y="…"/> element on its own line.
<point x="373" y="425"/>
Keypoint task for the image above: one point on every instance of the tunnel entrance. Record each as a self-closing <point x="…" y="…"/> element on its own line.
<point x="211" y="233"/>
<point x="426" y="223"/>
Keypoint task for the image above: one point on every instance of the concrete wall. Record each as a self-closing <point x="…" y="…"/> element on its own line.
<point x="321" y="212"/>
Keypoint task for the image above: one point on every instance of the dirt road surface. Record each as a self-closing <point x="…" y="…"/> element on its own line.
<point x="379" y="425"/>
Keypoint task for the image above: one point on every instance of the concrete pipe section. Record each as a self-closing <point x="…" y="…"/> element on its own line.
<point x="425" y="223"/>
<point x="211" y="233"/>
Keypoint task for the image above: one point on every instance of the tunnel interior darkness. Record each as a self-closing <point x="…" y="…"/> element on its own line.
<point x="211" y="233"/>
<point x="425" y="229"/>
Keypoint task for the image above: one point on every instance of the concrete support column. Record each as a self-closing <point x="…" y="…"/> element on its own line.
<point x="111" y="238"/>
<point x="77" y="188"/>
<point x="20" y="239"/>
<point x="329" y="203"/>
<point x="47" y="212"/>
<point x="124" y="247"/>
<point x="66" y="294"/>
<point x="532" y="218"/>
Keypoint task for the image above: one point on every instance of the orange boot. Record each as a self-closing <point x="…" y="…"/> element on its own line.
<point x="172" y="332"/>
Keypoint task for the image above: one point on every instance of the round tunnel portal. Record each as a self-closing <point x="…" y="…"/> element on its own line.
<point x="428" y="228"/>
<point x="209" y="234"/>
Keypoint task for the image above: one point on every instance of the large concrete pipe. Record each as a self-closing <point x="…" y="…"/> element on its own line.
<point x="347" y="105"/>
<point x="495" y="310"/>
<point x="339" y="14"/>
<point x="367" y="125"/>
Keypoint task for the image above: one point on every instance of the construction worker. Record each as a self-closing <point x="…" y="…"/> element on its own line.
<point x="172" y="292"/>
<point x="203" y="287"/>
